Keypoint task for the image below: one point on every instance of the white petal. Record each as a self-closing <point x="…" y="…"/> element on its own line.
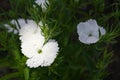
<point x="29" y="27"/>
<point x="41" y="3"/>
<point x="21" y="22"/>
<point x="92" y="23"/>
<point x="10" y="29"/>
<point x="34" y="62"/>
<point x="83" y="38"/>
<point x="50" y="50"/>
<point x="92" y="40"/>
<point x="102" y="31"/>
<point x="29" y="50"/>
<point x="51" y="47"/>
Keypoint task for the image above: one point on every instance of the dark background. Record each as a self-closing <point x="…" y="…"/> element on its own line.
<point x="113" y="69"/>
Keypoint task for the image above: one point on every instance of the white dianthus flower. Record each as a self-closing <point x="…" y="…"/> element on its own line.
<point x="89" y="31"/>
<point x="33" y="47"/>
<point x="46" y="56"/>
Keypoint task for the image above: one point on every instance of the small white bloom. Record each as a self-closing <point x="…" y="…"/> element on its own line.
<point x="102" y="31"/>
<point x="89" y="31"/>
<point x="20" y="23"/>
<point x="41" y="3"/>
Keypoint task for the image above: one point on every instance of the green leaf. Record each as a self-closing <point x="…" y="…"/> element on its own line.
<point x="11" y="75"/>
<point x="26" y="73"/>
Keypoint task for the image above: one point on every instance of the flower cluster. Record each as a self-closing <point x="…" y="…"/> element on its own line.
<point x="34" y="48"/>
<point x="33" y="44"/>
<point x="41" y="53"/>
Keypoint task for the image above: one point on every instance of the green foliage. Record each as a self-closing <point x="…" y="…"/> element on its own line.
<point x="75" y="60"/>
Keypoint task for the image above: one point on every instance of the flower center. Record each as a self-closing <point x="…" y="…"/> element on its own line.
<point x="39" y="51"/>
<point x="90" y="35"/>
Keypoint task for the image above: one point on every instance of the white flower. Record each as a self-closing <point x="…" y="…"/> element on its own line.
<point x="33" y="47"/>
<point x="89" y="31"/>
<point x="20" y="23"/>
<point x="41" y="3"/>
<point x="46" y="56"/>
